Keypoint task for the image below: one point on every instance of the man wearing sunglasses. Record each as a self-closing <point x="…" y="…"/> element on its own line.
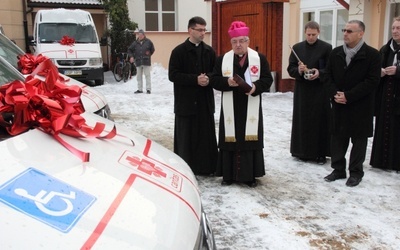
<point x="352" y="75"/>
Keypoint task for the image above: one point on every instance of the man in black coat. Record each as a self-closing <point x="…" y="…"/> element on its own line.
<point x="310" y="136"/>
<point x="194" y="132"/>
<point x="352" y="75"/>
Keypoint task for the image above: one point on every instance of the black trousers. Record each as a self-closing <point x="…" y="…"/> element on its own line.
<point x="339" y="146"/>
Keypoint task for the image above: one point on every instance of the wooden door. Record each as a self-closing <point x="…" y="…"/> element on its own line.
<point x="264" y="18"/>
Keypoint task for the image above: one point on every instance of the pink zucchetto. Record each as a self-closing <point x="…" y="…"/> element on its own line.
<point x="238" y="28"/>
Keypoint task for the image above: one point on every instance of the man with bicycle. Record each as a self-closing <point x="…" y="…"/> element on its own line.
<point x="140" y="52"/>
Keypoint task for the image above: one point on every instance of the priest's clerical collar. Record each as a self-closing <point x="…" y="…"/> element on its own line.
<point x="195" y="44"/>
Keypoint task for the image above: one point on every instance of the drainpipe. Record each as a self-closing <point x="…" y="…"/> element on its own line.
<point x="25" y="23"/>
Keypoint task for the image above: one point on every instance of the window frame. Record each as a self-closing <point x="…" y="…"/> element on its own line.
<point x="317" y="18"/>
<point x="160" y="13"/>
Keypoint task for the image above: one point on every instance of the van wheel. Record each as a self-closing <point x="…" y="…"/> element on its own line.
<point x="98" y="82"/>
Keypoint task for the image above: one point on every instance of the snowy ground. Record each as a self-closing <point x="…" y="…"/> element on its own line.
<point x="292" y="207"/>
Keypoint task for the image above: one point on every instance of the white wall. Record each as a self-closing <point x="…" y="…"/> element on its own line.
<point x="164" y="42"/>
<point x="185" y="9"/>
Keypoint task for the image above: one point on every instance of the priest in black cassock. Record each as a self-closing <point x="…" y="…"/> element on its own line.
<point x="310" y="137"/>
<point x="241" y="136"/>
<point x="386" y="145"/>
<point x="194" y="133"/>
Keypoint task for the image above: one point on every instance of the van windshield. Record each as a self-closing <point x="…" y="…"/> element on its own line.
<point x="54" y="32"/>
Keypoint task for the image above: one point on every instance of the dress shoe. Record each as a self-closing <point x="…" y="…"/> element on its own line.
<point x="252" y="183"/>
<point x="353" y="181"/>
<point x="138" y="92"/>
<point x="226" y="183"/>
<point x="335" y="176"/>
<point x="303" y="159"/>
<point x="321" y="160"/>
<point x="148" y="92"/>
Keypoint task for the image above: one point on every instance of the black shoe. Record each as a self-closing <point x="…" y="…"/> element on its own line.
<point x="148" y="92"/>
<point x="252" y="183"/>
<point x="303" y="159"/>
<point x="226" y="183"/>
<point x="334" y="176"/>
<point x="353" y="181"/>
<point x="138" y="92"/>
<point x="321" y="160"/>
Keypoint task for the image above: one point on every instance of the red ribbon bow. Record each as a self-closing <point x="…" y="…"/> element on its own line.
<point x="66" y="40"/>
<point x="27" y="63"/>
<point x="49" y="105"/>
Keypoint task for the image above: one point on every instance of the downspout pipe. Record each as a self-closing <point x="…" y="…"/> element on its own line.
<point x="25" y="24"/>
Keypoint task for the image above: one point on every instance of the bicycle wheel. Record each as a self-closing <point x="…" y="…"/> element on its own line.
<point x="118" y="72"/>
<point x="127" y="67"/>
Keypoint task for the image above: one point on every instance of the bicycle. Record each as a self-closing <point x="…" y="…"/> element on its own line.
<point x="122" y="68"/>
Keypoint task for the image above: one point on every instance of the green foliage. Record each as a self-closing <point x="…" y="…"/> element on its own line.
<point x="120" y="33"/>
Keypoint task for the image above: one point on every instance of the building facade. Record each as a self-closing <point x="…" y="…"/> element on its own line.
<point x="165" y="23"/>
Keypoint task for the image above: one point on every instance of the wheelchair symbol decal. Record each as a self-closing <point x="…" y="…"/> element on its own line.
<point x="42" y="198"/>
<point x="45" y="198"/>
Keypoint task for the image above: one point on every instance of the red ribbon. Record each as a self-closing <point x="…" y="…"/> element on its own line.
<point x="27" y="63"/>
<point x="49" y="105"/>
<point x="66" y="40"/>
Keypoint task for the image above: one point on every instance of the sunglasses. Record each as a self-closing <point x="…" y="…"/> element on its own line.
<point x="350" y="31"/>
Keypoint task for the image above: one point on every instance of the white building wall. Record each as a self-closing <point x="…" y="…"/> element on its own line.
<point x="185" y="9"/>
<point x="165" y="42"/>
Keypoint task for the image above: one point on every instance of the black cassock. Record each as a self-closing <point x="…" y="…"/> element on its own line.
<point x="310" y="133"/>
<point x="386" y="145"/>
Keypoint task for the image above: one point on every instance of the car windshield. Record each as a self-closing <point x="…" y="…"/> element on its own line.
<point x="7" y="74"/>
<point x="9" y="50"/>
<point x="54" y="32"/>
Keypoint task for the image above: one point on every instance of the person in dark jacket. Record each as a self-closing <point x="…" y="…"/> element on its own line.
<point x="386" y="145"/>
<point x="194" y="133"/>
<point x="310" y="138"/>
<point x="140" y="52"/>
<point x="241" y="136"/>
<point x="352" y="75"/>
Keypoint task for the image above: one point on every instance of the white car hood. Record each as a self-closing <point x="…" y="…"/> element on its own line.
<point x="132" y="194"/>
<point x="92" y="99"/>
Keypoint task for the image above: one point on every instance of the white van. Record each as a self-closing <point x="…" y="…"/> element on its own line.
<point x="93" y="101"/>
<point x="81" y="57"/>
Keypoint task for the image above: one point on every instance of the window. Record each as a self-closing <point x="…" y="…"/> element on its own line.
<point x="331" y="22"/>
<point x="160" y="15"/>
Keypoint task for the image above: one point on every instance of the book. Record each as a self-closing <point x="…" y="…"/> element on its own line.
<point x="243" y="84"/>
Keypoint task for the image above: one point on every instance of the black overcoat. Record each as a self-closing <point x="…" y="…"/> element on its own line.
<point x="358" y="81"/>
<point x="183" y="70"/>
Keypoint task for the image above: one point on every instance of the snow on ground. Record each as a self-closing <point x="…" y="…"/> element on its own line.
<point x="292" y="207"/>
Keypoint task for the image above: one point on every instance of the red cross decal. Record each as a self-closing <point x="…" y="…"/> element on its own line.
<point x="146" y="166"/>
<point x="254" y="69"/>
